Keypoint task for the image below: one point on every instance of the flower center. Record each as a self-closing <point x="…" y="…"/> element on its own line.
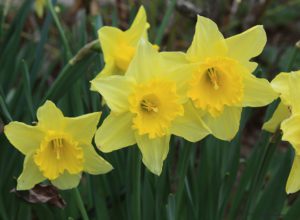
<point x="149" y="104"/>
<point x="217" y="83"/>
<point x="58" y="152"/>
<point x="155" y="105"/>
<point x="212" y="74"/>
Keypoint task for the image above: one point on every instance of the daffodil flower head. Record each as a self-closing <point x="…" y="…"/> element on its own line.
<point x="58" y="148"/>
<point x="287" y="118"/>
<point x="286" y="86"/>
<point x="39" y="6"/>
<point x="221" y="82"/>
<point x="119" y="46"/>
<point x="147" y="106"/>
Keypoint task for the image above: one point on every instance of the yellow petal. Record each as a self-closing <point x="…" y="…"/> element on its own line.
<point x="82" y="128"/>
<point x="173" y="60"/>
<point x="108" y="70"/>
<point x="39" y="7"/>
<point x="145" y="63"/>
<point x="281" y="113"/>
<point x="257" y="91"/>
<point x="93" y="163"/>
<point x="24" y="137"/>
<point x="226" y="125"/>
<point x="181" y="75"/>
<point x="208" y="41"/>
<point x="115" y="132"/>
<point x="190" y="126"/>
<point x="291" y="131"/>
<point x="281" y="85"/>
<point x="30" y="176"/>
<point x="138" y="28"/>
<point x="109" y="38"/>
<point x="294" y="85"/>
<point x="67" y="181"/>
<point x="246" y="45"/>
<point x="115" y="90"/>
<point x="154" y="151"/>
<point x="293" y="182"/>
<point x="50" y="117"/>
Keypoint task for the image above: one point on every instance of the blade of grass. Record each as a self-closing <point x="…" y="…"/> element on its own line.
<point x="164" y="23"/>
<point x="27" y="90"/>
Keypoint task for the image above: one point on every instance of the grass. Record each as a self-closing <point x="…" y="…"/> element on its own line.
<point x="208" y="180"/>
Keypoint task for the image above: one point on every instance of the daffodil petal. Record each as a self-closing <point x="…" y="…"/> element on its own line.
<point x="291" y="131"/>
<point x="208" y="41"/>
<point x="138" y="28"/>
<point x="257" y="91"/>
<point x="190" y="126"/>
<point x="293" y="182"/>
<point x="181" y="75"/>
<point x="115" y="133"/>
<point x="246" y="45"/>
<point x="67" y="181"/>
<point x="108" y="70"/>
<point x="154" y="151"/>
<point x="109" y="38"/>
<point x="39" y="7"/>
<point x="226" y="125"/>
<point x="49" y="116"/>
<point x="281" y="85"/>
<point x="294" y="85"/>
<point x="115" y="90"/>
<point x="281" y="113"/>
<point x="24" y="137"/>
<point x="145" y="56"/>
<point x="31" y="175"/>
<point x="93" y="163"/>
<point x="173" y="60"/>
<point x="83" y="127"/>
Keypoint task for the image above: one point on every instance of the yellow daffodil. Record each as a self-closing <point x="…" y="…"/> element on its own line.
<point x="119" y="46"/>
<point x="288" y="115"/>
<point x="147" y="106"/>
<point x="58" y="148"/>
<point x="283" y="111"/>
<point x="221" y="82"/>
<point x="39" y="6"/>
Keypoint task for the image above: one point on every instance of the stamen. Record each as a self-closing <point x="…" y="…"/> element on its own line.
<point x="57" y="144"/>
<point x="148" y="106"/>
<point x="212" y="73"/>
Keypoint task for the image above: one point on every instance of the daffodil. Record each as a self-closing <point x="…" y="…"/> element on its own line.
<point x="39" y="6"/>
<point x="281" y="85"/>
<point x="287" y="116"/>
<point x="57" y="148"/>
<point x="119" y="46"/>
<point x="222" y="82"/>
<point x="147" y="106"/>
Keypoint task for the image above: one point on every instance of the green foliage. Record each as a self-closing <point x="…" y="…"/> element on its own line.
<point x="209" y="180"/>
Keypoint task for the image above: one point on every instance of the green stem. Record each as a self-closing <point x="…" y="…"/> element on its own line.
<point x="80" y="204"/>
<point x="137" y="186"/>
<point x="60" y="29"/>
<point x="264" y="163"/>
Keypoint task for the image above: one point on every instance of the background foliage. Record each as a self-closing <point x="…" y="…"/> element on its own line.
<point x="209" y="180"/>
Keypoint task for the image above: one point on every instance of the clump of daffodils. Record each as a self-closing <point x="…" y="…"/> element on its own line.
<point x="153" y="95"/>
